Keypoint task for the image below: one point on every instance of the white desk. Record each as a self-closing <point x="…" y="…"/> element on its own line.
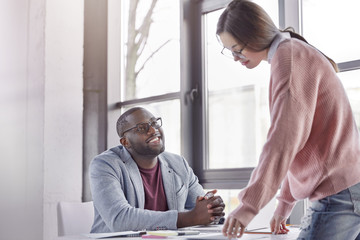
<point x="206" y="235"/>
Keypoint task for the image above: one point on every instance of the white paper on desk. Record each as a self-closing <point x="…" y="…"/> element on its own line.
<point x="115" y="234"/>
<point x="204" y="228"/>
<point x="220" y="236"/>
<point x="292" y="235"/>
<point x="207" y="236"/>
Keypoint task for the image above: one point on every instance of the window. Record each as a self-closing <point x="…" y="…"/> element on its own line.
<point x="151" y="48"/>
<point x="351" y="82"/>
<point x="338" y="38"/>
<point x="330" y="26"/>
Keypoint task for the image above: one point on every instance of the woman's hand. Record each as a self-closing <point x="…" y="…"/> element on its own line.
<point x="278" y="225"/>
<point x="233" y="228"/>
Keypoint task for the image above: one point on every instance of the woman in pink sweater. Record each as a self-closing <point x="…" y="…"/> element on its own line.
<point x="313" y="147"/>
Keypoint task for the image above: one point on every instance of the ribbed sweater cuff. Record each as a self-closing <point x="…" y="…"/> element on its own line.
<point x="243" y="213"/>
<point x="284" y="209"/>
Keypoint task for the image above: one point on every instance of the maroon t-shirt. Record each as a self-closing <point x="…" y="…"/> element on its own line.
<point x="155" y="198"/>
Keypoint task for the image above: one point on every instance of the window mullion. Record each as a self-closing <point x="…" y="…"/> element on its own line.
<point x="290" y="14"/>
<point x="348" y="66"/>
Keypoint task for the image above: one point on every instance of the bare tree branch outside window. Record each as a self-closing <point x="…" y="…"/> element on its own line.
<point x="136" y="42"/>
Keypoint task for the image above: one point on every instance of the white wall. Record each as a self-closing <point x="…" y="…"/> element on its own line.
<point x="41" y="57"/>
<point x="21" y="119"/>
<point x="64" y="33"/>
<point x="114" y="75"/>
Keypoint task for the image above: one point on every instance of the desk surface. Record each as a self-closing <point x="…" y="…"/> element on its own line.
<point x="292" y="235"/>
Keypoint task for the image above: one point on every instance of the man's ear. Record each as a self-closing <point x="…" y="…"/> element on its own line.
<point x="124" y="142"/>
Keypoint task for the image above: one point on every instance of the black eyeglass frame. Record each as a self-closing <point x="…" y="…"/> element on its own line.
<point x="234" y="53"/>
<point x="157" y="123"/>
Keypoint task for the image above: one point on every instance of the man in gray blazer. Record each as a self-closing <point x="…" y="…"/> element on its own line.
<point x="137" y="185"/>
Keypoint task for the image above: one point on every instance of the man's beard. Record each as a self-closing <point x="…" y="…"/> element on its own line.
<point x="147" y="151"/>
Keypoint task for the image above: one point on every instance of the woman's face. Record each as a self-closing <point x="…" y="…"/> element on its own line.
<point x="247" y="58"/>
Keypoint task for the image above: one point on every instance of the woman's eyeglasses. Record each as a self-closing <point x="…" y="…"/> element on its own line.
<point x="231" y="54"/>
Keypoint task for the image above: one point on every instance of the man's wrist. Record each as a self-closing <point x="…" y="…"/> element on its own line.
<point x="185" y="219"/>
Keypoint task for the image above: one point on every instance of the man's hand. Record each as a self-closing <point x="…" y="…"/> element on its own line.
<point x="208" y="208"/>
<point x="215" y="206"/>
<point x="278" y="225"/>
<point x="199" y="215"/>
<point x="208" y="195"/>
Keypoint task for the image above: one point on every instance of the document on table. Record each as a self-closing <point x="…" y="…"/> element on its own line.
<point x="292" y="235"/>
<point x="115" y="234"/>
<point x="200" y="233"/>
<point x="172" y="232"/>
<point x="144" y="234"/>
<point x="205" y="228"/>
<point x="218" y="228"/>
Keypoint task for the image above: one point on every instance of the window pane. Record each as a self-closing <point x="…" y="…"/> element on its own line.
<point x="169" y="111"/>
<point x="158" y="63"/>
<point x="331" y="26"/>
<point x="238" y="115"/>
<point x="351" y="82"/>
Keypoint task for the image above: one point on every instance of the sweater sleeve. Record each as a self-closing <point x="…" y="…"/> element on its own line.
<point x="286" y="200"/>
<point x="291" y="122"/>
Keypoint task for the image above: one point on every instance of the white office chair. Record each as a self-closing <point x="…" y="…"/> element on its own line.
<point x="75" y="217"/>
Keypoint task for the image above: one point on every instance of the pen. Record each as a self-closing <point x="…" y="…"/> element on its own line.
<point x="153" y="236"/>
<point x="182" y="233"/>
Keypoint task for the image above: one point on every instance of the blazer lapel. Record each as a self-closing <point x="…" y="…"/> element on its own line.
<point x="169" y="184"/>
<point x="135" y="177"/>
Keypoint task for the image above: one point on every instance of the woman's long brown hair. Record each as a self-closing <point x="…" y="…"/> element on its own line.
<point x="251" y="25"/>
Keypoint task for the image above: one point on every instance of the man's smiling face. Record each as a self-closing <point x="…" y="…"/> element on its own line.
<point x="144" y="143"/>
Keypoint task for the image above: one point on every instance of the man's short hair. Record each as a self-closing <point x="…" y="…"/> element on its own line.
<point x="121" y="122"/>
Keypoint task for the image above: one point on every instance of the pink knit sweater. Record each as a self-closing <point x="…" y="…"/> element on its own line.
<point x="313" y="146"/>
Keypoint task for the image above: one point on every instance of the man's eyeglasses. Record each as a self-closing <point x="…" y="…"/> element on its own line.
<point x="144" y="127"/>
<point x="231" y="54"/>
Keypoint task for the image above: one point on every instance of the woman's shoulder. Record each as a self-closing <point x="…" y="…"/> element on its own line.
<point x="294" y="52"/>
<point x="290" y="46"/>
<point x="297" y="50"/>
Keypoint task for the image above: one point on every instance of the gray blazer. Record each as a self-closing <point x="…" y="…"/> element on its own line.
<point x="118" y="192"/>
